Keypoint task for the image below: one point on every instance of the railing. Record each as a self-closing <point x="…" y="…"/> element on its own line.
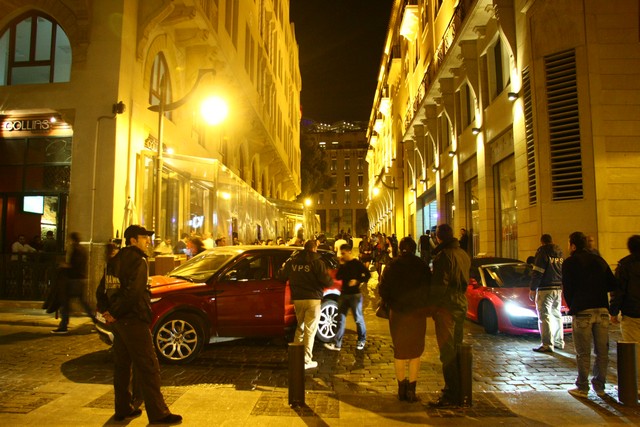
<point x="27" y="276"/>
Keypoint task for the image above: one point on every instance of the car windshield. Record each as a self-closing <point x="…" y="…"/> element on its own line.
<point x="508" y="275"/>
<point x="201" y="267"/>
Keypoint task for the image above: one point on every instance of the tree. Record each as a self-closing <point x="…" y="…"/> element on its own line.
<point x="314" y="167"/>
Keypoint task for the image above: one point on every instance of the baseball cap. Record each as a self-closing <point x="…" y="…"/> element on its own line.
<point x="133" y="231"/>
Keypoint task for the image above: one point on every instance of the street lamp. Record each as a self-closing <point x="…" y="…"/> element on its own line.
<point x="161" y="108"/>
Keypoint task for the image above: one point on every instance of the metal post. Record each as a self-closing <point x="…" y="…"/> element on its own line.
<point x="296" y="375"/>
<point x="627" y="373"/>
<point x="465" y="369"/>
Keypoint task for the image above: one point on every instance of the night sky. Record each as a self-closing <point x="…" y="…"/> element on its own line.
<point x="341" y="43"/>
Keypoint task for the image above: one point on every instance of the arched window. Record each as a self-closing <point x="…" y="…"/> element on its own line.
<point x="160" y="87"/>
<point x="34" y="49"/>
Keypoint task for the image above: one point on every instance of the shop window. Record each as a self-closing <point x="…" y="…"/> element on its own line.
<point x="507" y="209"/>
<point x="34" y="49"/>
<point x="473" y="215"/>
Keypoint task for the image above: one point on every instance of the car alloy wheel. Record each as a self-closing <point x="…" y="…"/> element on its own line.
<point x="179" y="338"/>
<point x="328" y="324"/>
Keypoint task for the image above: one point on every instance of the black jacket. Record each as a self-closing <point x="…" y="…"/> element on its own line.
<point x="307" y="275"/>
<point x="626" y="297"/>
<point x="586" y="281"/>
<point x="547" y="268"/>
<point x="352" y="270"/>
<point x="124" y="289"/>
<point x="404" y="284"/>
<point x="451" y="268"/>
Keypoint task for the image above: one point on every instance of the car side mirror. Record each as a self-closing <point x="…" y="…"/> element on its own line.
<point x="474" y="283"/>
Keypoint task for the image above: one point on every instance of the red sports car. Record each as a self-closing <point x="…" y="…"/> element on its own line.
<point x="226" y="293"/>
<point x="498" y="296"/>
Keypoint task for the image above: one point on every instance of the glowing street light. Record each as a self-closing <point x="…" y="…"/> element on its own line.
<point x="307" y="202"/>
<point x="214" y="110"/>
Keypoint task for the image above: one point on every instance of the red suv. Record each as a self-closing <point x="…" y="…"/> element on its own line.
<point x="225" y="293"/>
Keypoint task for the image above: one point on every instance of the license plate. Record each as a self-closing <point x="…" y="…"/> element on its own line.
<point x="566" y="320"/>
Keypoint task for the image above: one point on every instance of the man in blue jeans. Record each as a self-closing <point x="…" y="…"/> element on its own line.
<point x="353" y="273"/>
<point x="586" y="282"/>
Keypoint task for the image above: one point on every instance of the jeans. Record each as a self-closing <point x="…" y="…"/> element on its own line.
<point x="630" y="328"/>
<point x="353" y="302"/>
<point x="133" y="347"/>
<point x="548" y="304"/>
<point x="308" y="316"/>
<point x="449" y="333"/>
<point x="589" y="326"/>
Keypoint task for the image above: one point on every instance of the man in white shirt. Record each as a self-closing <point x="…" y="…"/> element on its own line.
<point x="20" y="247"/>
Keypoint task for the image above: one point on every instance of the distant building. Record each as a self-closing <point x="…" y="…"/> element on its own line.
<point x="343" y="207"/>
<point x="510" y="118"/>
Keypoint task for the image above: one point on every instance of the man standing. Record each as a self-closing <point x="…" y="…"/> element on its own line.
<point x="307" y="277"/>
<point x="425" y="246"/>
<point x="546" y="291"/>
<point x="626" y="298"/>
<point x="451" y="267"/>
<point x="128" y="310"/>
<point x="586" y="281"/>
<point x="353" y="273"/>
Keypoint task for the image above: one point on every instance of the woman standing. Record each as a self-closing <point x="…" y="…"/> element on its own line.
<point x="404" y="288"/>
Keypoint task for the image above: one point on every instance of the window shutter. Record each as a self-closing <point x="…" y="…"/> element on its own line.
<point x="529" y="137"/>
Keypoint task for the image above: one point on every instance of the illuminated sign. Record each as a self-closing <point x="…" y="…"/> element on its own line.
<point x="19" y="127"/>
<point x="30" y="125"/>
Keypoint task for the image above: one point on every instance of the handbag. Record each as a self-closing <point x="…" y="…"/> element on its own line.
<point x="383" y="310"/>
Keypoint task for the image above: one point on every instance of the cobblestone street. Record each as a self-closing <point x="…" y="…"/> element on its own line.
<point x="51" y="378"/>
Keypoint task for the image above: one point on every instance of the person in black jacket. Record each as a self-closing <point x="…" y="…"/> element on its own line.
<point x="126" y="305"/>
<point x="626" y="297"/>
<point x="546" y="291"/>
<point x="353" y="273"/>
<point x="586" y="282"/>
<point x="308" y="277"/>
<point x="404" y="287"/>
<point x="451" y="268"/>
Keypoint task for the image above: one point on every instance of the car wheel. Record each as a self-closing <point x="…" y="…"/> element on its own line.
<point x="179" y="338"/>
<point x="328" y="324"/>
<point x="489" y="318"/>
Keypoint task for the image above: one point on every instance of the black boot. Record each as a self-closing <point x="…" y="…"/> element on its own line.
<point x="411" y="392"/>
<point x="402" y="389"/>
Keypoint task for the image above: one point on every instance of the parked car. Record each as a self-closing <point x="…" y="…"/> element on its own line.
<point x="226" y="293"/>
<point x="498" y="297"/>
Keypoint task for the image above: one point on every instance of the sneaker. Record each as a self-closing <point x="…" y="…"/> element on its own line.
<point x="331" y="346"/>
<point x="60" y="331"/>
<point x="559" y="346"/>
<point x="360" y="345"/>
<point x="543" y="349"/>
<point x="133" y="414"/>
<point x="169" y="419"/>
<point x="576" y="392"/>
<point x="311" y="365"/>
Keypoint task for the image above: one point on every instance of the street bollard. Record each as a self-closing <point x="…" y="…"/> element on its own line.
<point x="296" y="375"/>
<point x="465" y="368"/>
<point x="627" y="373"/>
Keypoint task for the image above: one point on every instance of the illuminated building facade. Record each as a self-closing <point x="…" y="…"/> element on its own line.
<point x="510" y="118"/>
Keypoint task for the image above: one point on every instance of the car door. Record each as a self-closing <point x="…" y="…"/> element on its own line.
<point x="250" y="300"/>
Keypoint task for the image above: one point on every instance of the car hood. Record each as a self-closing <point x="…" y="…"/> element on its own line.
<point x="163" y="284"/>
<point x="521" y="297"/>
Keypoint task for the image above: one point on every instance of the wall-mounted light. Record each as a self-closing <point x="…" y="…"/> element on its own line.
<point x="452" y="153"/>
<point x="476" y="131"/>
<point x="434" y="169"/>
<point x="423" y="180"/>
<point x="512" y="96"/>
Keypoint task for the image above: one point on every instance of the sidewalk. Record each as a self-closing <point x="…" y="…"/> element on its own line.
<point x="65" y="380"/>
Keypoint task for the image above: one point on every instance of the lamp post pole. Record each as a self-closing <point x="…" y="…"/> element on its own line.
<point x="161" y="108"/>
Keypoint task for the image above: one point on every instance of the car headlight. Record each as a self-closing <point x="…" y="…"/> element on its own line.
<point x="155" y="300"/>
<point x="516" y="310"/>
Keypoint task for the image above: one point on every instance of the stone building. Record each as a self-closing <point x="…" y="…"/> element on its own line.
<point x="82" y="84"/>
<point x="343" y="207"/>
<point x="510" y="118"/>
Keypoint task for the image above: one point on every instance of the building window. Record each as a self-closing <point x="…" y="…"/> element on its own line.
<point x="160" y="87"/>
<point x="347" y="180"/>
<point x="347" y="163"/>
<point x="360" y="180"/>
<point x="334" y="163"/>
<point x="497" y="69"/>
<point x="323" y="145"/>
<point x="347" y="197"/>
<point x="507" y="209"/>
<point x="321" y="198"/>
<point x="34" y="49"/>
<point x="473" y="215"/>
<point x="360" y="196"/>
<point x="334" y="197"/>
<point x="360" y="165"/>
